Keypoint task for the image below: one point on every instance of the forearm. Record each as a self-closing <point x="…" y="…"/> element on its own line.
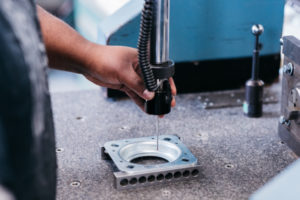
<point x="114" y="67"/>
<point x="66" y="49"/>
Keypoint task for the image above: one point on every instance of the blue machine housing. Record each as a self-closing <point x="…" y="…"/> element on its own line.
<point x="200" y="30"/>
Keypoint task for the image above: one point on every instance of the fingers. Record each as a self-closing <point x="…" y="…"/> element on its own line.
<point x="138" y="100"/>
<point x="134" y="82"/>
<point x="173" y="87"/>
<point x="173" y="91"/>
<point x="173" y="102"/>
<point x="137" y="69"/>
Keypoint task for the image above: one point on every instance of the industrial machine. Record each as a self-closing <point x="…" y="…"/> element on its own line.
<point x="286" y="184"/>
<point x="157" y="68"/>
<point x="211" y="46"/>
<point x="212" y="51"/>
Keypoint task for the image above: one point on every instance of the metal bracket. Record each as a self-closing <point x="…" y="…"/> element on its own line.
<point x="181" y="163"/>
<point x="289" y="126"/>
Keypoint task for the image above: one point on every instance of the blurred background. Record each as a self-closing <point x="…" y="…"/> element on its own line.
<point x="60" y="81"/>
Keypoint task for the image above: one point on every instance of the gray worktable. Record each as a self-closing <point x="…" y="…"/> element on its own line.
<point x="237" y="154"/>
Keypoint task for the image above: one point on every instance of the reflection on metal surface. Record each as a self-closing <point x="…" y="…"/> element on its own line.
<point x="160" y="36"/>
<point x="180" y="163"/>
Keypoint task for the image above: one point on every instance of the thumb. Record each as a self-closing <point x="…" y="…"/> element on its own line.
<point x="136" y="84"/>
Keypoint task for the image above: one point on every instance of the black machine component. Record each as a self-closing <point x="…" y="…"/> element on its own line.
<point x="289" y="122"/>
<point x="161" y="104"/>
<point x="253" y="105"/>
<point x="156" y="69"/>
<point x="191" y="77"/>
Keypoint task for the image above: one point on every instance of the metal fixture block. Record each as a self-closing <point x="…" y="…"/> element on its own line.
<point x="180" y="163"/>
<point x="289" y="122"/>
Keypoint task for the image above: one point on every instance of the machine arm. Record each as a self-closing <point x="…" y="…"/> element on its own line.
<point x="153" y="47"/>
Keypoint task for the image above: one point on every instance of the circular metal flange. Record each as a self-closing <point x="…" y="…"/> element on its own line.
<point x="123" y="152"/>
<point x="167" y="151"/>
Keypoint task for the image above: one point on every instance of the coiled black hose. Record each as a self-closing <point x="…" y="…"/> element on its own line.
<point x="144" y="37"/>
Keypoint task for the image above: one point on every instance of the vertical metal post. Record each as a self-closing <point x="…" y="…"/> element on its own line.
<point x="159" y="43"/>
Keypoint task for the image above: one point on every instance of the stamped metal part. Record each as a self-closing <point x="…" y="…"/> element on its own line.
<point x="180" y="164"/>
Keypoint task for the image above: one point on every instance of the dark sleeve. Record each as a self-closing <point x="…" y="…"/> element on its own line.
<point x="16" y="139"/>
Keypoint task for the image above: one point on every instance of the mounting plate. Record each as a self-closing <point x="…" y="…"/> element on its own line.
<point x="181" y="163"/>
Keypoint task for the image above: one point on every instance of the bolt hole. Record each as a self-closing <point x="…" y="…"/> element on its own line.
<point x="79" y="118"/>
<point x="177" y="175"/>
<point x="124" y="182"/>
<point x="195" y="172"/>
<point x="59" y="150"/>
<point x="229" y="166"/>
<point x="169" y="176"/>
<point x="130" y="166"/>
<point x="133" y="181"/>
<point x="185" y="160"/>
<point x="151" y="178"/>
<point x="114" y="145"/>
<point x="282" y="142"/>
<point x="75" y="184"/>
<point x="160" y="177"/>
<point x="142" y="179"/>
<point x="186" y="173"/>
<point x="167" y="139"/>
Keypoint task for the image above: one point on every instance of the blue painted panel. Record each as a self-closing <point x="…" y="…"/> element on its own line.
<point x="211" y="29"/>
<point x="215" y="29"/>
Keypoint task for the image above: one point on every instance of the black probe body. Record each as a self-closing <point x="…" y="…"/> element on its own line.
<point x="253" y="105"/>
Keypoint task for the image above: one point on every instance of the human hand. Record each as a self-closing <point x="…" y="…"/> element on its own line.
<point x="117" y="67"/>
<point x="109" y="66"/>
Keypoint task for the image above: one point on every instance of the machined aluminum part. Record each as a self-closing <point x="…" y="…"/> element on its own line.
<point x="181" y="163"/>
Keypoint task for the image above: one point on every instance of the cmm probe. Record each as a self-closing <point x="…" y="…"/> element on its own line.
<point x="153" y="48"/>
